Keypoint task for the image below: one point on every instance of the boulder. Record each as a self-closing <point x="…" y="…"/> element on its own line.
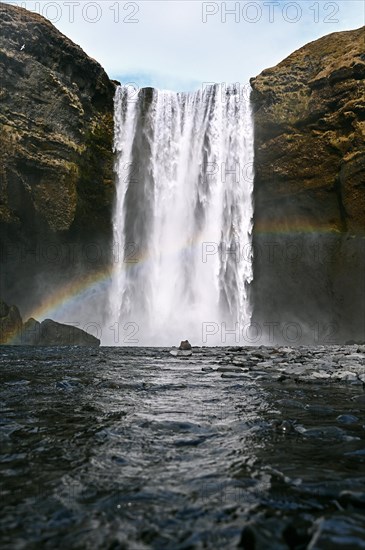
<point x="58" y="334"/>
<point x="34" y="333"/>
<point x="184" y="350"/>
<point x="185" y="345"/>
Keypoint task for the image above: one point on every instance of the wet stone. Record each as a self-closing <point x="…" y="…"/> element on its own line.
<point x="347" y="419"/>
<point x="296" y="369"/>
<point x="326" y="432"/>
<point x="356" y="357"/>
<point x="359" y="401"/>
<point x="321" y="374"/>
<point x="238" y="361"/>
<point x="319" y="409"/>
<point x="234" y="375"/>
<point x="291" y="403"/>
<point x="229" y="369"/>
<point x="284" y="426"/>
<point x="345" y="375"/>
<point x="356" y="499"/>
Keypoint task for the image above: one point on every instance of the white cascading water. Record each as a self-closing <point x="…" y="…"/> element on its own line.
<point x="183" y="216"/>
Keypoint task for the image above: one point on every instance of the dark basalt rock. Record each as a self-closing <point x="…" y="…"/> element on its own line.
<point x="34" y="333"/>
<point x="31" y="333"/>
<point x="309" y="193"/>
<point x="185" y="345"/>
<point x="56" y="169"/>
<point x="184" y="350"/>
<point x="52" y="333"/>
<point x="10" y="322"/>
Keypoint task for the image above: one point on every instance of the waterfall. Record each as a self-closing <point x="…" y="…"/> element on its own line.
<point x="183" y="216"/>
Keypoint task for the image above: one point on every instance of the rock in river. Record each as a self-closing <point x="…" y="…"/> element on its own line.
<point x="183" y="350"/>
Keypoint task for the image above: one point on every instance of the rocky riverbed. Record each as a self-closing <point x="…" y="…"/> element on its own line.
<point x="250" y="448"/>
<point x="303" y="364"/>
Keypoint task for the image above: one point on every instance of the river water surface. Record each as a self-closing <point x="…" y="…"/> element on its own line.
<point x="134" y="448"/>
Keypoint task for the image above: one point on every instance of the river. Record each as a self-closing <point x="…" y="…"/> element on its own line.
<point x="133" y="448"/>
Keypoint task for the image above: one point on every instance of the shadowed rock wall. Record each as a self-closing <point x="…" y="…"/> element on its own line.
<point x="309" y="193"/>
<point x="56" y="169"/>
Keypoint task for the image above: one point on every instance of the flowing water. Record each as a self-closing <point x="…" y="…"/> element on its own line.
<point x="131" y="448"/>
<point x="183" y="216"/>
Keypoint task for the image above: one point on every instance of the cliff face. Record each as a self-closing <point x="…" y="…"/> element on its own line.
<point x="309" y="193"/>
<point x="310" y="136"/>
<point x="56" y="171"/>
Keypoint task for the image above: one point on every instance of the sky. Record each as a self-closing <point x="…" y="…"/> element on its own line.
<point x="182" y="45"/>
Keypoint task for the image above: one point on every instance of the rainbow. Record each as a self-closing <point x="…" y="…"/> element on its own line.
<point x="76" y="290"/>
<point x="64" y="295"/>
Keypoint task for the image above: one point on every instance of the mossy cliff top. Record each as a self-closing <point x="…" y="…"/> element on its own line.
<point x="310" y="136"/>
<point x="56" y="113"/>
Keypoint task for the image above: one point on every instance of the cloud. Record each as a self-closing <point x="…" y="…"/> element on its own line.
<point x="158" y="80"/>
<point x="179" y="44"/>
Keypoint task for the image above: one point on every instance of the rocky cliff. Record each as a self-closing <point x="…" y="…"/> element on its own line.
<point x="56" y="170"/>
<point x="309" y="193"/>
